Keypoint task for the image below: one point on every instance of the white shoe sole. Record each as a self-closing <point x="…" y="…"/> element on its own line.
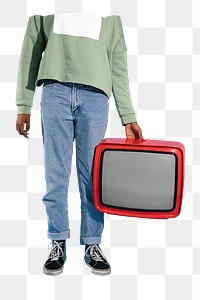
<point x="100" y="272"/>
<point x="53" y="272"/>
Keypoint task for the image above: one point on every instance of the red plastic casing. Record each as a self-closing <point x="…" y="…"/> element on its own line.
<point x="145" y="145"/>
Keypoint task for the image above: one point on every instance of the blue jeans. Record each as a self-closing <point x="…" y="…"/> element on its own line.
<point x="71" y="111"/>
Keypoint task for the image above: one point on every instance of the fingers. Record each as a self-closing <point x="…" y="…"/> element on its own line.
<point x="22" y="131"/>
<point x="140" y="135"/>
<point x="21" y="121"/>
<point x="137" y="134"/>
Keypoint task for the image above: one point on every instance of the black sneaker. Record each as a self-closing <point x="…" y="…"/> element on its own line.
<point x="57" y="257"/>
<point x="96" y="260"/>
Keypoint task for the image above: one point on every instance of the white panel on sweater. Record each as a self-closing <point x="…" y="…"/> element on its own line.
<point x="78" y="24"/>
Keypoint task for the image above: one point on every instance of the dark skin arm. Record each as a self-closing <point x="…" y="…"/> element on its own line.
<point x="132" y="130"/>
<point x="23" y="119"/>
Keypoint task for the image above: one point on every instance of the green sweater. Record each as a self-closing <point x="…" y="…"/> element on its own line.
<point x="75" y="47"/>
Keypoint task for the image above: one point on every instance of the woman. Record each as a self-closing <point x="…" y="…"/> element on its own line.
<point x="80" y="59"/>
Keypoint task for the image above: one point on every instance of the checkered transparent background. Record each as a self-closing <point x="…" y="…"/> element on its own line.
<point x="150" y="259"/>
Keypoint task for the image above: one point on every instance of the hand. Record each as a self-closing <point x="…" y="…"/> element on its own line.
<point x="133" y="131"/>
<point x="21" y="120"/>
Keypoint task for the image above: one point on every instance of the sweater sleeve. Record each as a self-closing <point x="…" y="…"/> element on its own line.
<point x="120" y="79"/>
<point x="31" y="54"/>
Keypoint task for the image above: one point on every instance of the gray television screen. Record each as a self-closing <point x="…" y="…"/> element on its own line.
<point x="140" y="180"/>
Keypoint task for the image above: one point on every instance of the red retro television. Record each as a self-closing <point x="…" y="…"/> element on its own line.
<point x="136" y="178"/>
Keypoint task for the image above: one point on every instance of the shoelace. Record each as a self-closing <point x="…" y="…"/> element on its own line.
<point x="56" y="250"/>
<point x="96" y="253"/>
